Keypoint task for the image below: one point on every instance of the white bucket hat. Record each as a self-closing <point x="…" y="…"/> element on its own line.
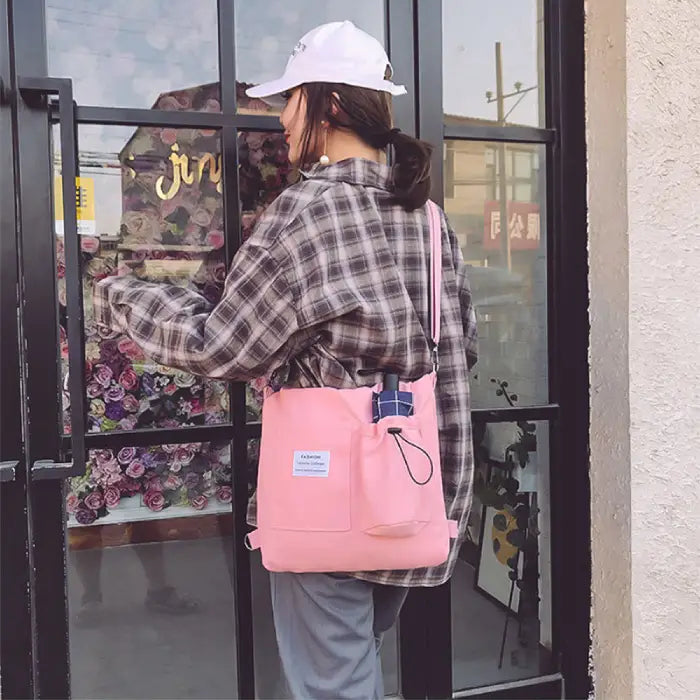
<point x="337" y="52"/>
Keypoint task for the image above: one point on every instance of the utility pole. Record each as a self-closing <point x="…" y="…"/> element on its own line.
<point x="502" y="185"/>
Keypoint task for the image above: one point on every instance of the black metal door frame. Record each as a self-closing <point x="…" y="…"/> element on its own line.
<point x="37" y="660"/>
<point x="16" y="649"/>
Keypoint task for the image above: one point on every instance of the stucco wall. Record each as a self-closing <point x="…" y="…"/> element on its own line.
<point x="606" y="117"/>
<point x="663" y="89"/>
<point x="651" y="499"/>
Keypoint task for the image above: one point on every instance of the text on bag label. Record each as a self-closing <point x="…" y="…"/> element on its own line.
<point x="311" y="463"/>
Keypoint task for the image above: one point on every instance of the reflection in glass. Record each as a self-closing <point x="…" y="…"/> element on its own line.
<point x="264" y="171"/>
<point x="501" y="589"/>
<point x="151" y="204"/>
<point x="471" y="29"/>
<point x="128" y="53"/>
<point x="146" y="578"/>
<point x="266" y="33"/>
<point x="485" y="182"/>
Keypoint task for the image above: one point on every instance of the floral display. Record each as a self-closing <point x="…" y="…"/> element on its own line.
<point x="172" y="229"/>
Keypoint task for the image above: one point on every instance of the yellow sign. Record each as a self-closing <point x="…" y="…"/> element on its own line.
<point x="84" y="204"/>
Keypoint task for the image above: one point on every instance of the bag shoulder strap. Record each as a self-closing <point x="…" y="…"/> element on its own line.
<point x="435" y="273"/>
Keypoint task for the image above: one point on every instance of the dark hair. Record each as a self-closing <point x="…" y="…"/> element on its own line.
<point x="368" y="114"/>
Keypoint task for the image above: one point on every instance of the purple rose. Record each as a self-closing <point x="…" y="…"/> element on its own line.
<point x="103" y="375"/>
<point x="112" y="496"/>
<point x="154" y="500"/>
<point x="115" y="393"/>
<point x="136" y="469"/>
<point x="191" y="480"/>
<point x="114" y="411"/>
<point x="148" y="384"/>
<point x="126" y="454"/>
<point x="94" y="390"/>
<point x="128" y="423"/>
<point x="85" y="516"/>
<point x="199" y="502"/>
<point x="94" y="500"/>
<point x="224" y="494"/>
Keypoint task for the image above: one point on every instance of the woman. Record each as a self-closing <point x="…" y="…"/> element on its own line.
<point x="331" y="288"/>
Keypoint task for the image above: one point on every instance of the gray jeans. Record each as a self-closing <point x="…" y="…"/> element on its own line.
<point x="329" y="630"/>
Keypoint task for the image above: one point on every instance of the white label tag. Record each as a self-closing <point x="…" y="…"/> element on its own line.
<point x="311" y="463"/>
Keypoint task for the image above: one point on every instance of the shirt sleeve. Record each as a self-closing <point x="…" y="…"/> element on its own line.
<point x="240" y="338"/>
<point x="465" y="299"/>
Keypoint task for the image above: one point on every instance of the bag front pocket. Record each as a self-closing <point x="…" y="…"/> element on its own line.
<point x="392" y="471"/>
<point x="304" y="489"/>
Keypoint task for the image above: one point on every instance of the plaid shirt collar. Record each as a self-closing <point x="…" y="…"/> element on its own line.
<point x="355" y="171"/>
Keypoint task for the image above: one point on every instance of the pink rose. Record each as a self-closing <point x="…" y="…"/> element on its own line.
<point x="129" y="348"/>
<point x="170" y="389"/>
<point x="103" y="456"/>
<point x="112" y="467"/>
<point x="89" y="244"/>
<point x="199" y="502"/>
<point x="112" y="497"/>
<point x="172" y="482"/>
<point x="154" y="500"/>
<point x="94" y="500"/>
<point x="224" y="494"/>
<point x="168" y="136"/>
<point x="215" y="239"/>
<point x="72" y="503"/>
<point x="136" y="469"/>
<point x="126" y="455"/>
<point x="129" y="379"/>
<point x="131" y="403"/>
<point x="176" y="467"/>
<point x="103" y="375"/>
<point x="170" y="448"/>
<point x="183" y="456"/>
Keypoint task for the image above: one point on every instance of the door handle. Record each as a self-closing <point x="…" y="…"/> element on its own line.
<point x="63" y="89"/>
<point x="8" y="471"/>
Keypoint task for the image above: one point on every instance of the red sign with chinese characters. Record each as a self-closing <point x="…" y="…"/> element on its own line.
<point x="523" y="225"/>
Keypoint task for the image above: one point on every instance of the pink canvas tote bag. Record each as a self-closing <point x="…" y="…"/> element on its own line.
<point x="337" y="492"/>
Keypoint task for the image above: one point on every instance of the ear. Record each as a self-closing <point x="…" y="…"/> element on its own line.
<point x="335" y="101"/>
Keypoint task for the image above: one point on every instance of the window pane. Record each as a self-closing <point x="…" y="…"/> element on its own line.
<point x="508" y="274"/>
<point x="267" y="30"/>
<point x="152" y="195"/>
<point x="471" y="29"/>
<point x="136" y="53"/>
<point x="149" y="573"/>
<point x="263" y="173"/>
<point x="509" y="531"/>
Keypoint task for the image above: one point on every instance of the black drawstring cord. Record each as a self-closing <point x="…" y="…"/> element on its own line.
<point x="397" y="431"/>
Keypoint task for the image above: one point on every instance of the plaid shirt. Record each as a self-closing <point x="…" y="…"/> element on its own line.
<point x="333" y="280"/>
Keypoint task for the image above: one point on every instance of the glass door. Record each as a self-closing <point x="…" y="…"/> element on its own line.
<point x="135" y="143"/>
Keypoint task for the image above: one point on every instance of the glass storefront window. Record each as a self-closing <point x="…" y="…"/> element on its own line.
<point x="267" y="31"/>
<point x="501" y="589"/>
<point x="150" y="202"/>
<point x="146" y="578"/>
<point x="483" y="182"/>
<point x="471" y="30"/>
<point x="135" y="54"/>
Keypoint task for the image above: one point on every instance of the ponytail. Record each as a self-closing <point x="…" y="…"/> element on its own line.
<point x="411" y="170"/>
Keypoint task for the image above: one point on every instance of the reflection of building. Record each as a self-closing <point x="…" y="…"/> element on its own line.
<point x="508" y="276"/>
